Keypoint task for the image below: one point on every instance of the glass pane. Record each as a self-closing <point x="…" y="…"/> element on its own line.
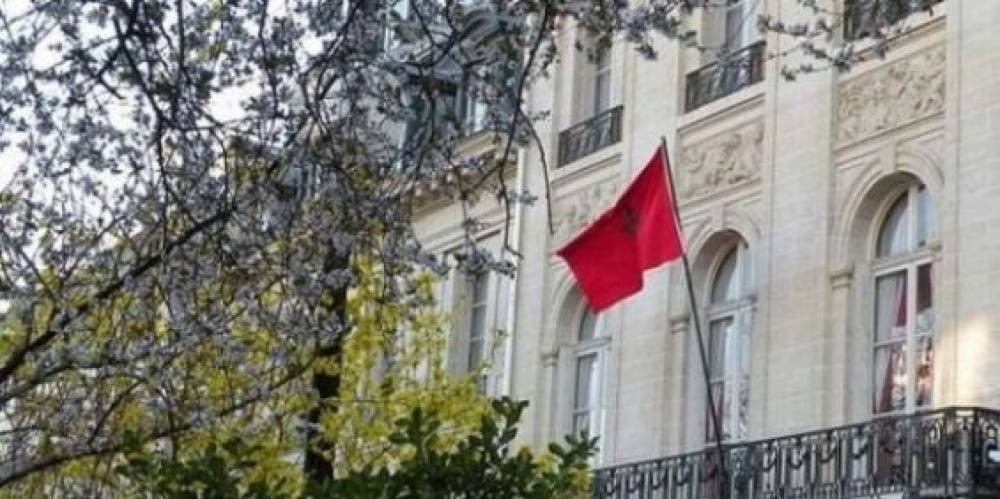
<point x="588" y="326"/>
<point x="750" y="14"/>
<point x="925" y="370"/>
<point x="890" y="378"/>
<point x="602" y="91"/>
<point x="586" y="366"/>
<point x="925" y="300"/>
<point x="475" y="353"/>
<point x="743" y="428"/>
<point x="477" y="321"/>
<point x="926" y="219"/>
<point x="744" y="325"/>
<point x="725" y="287"/>
<point x="581" y="423"/>
<point x="892" y="238"/>
<point x="718" y="339"/>
<point x="477" y="327"/>
<point x="718" y="395"/>
<point x="890" y="307"/>
<point x="479" y="288"/>
<point x="733" y="36"/>
<point x="446" y="103"/>
<point x="478" y="116"/>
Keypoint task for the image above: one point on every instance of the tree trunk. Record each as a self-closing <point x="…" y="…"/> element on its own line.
<point x="318" y="465"/>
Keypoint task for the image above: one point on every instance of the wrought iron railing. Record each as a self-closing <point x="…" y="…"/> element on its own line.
<point x="940" y="453"/>
<point x="718" y="79"/>
<point x="590" y="136"/>
<point x="862" y="18"/>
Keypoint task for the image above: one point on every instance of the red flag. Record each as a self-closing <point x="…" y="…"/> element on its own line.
<point x="638" y="233"/>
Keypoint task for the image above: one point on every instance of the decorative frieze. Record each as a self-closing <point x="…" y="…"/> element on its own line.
<point x="572" y="212"/>
<point x="721" y="161"/>
<point x="900" y="93"/>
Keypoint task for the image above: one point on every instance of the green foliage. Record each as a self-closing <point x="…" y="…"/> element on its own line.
<point x="401" y="426"/>
<point x="218" y="472"/>
<point x="393" y="362"/>
<point x="480" y="465"/>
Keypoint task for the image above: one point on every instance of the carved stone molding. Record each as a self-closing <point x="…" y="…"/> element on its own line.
<point x="727" y="159"/>
<point x="679" y="323"/>
<point x="574" y="211"/>
<point x="905" y="91"/>
<point x="550" y="358"/>
<point x="841" y="278"/>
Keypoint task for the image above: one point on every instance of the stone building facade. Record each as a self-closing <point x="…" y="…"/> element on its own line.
<point x="844" y="236"/>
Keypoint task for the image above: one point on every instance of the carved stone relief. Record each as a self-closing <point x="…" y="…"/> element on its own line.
<point x="730" y="158"/>
<point x="892" y="96"/>
<point x="572" y="212"/>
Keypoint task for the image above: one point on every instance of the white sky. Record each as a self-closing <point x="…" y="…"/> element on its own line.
<point x="225" y="107"/>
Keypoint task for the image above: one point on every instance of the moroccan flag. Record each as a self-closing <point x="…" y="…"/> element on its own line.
<point x="638" y="233"/>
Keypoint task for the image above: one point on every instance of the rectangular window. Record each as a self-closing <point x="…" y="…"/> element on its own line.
<point x="472" y="115"/>
<point x="733" y="35"/>
<point x="585" y="394"/>
<point x="890" y="343"/>
<point x="398" y="12"/>
<point x="719" y="332"/>
<point x="602" y="83"/>
<point x="432" y="111"/>
<point x="477" y="325"/>
<point x="729" y="27"/>
<point x="924" y="329"/>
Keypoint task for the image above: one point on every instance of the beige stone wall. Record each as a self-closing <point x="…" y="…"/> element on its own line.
<point x="799" y="170"/>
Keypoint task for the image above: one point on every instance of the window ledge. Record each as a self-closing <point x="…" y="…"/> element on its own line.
<point x="484" y="144"/>
<point x="589" y="163"/>
<point x="742" y="99"/>
<point x="478" y="144"/>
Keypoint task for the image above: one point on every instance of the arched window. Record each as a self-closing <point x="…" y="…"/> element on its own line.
<point x="588" y="384"/>
<point x="903" y="348"/>
<point x="730" y="323"/>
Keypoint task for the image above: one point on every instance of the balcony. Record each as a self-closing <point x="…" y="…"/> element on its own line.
<point x="590" y="136"/>
<point x="939" y="453"/>
<point x="717" y="80"/>
<point x="863" y="18"/>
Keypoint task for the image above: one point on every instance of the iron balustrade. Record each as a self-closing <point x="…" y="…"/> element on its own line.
<point x="862" y="18"/>
<point x="590" y="136"/>
<point x="718" y="79"/>
<point x="938" y="453"/>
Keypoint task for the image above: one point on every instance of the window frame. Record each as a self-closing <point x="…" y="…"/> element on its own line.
<point x="598" y="347"/>
<point x="471" y="364"/>
<point x="746" y="34"/>
<point x="601" y="83"/>
<point x="472" y="110"/>
<point x="908" y="264"/>
<point x="738" y="311"/>
<point x="716" y="28"/>
<point x="593" y="78"/>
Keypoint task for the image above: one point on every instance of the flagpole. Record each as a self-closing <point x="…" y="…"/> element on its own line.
<point x="693" y="303"/>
